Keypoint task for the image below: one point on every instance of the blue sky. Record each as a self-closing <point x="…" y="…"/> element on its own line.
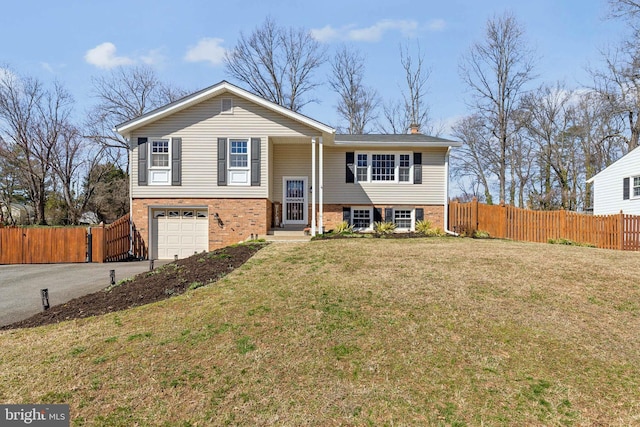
<point x="71" y="41"/>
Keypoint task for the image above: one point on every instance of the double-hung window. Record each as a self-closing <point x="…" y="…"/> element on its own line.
<point x="636" y="186"/>
<point x="383" y="167"/>
<point x="402" y="218"/>
<point x="159" y="162"/>
<point x="362" y="168"/>
<point x="160" y="153"/>
<point x="239" y="168"/>
<point x="361" y="218"/>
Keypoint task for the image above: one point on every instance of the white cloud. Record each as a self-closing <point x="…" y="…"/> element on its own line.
<point x="47" y="67"/>
<point x="372" y="33"/>
<point x="154" y="57"/>
<point x="104" y="56"/>
<point x="207" y="50"/>
<point x="437" y="25"/>
<point x="326" y="34"/>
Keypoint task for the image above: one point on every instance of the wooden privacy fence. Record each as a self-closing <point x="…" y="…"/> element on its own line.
<point x="49" y="245"/>
<point x="617" y="231"/>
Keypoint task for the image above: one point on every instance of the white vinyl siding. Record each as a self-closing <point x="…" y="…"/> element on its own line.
<point x="430" y="192"/>
<point x="200" y="127"/>
<point x="290" y="160"/>
<point x="607" y="187"/>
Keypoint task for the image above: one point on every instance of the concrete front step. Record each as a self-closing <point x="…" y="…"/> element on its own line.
<point x="287" y="238"/>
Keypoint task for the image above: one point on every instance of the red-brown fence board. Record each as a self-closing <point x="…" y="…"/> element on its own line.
<point x="46" y="245"/>
<point x="617" y="231"/>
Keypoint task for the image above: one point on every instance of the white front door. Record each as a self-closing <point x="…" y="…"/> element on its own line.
<point x="295" y="204"/>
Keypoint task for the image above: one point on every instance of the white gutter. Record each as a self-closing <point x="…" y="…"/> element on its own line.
<point x="446" y="195"/>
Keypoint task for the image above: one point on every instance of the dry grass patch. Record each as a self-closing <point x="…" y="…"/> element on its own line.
<point x="360" y="332"/>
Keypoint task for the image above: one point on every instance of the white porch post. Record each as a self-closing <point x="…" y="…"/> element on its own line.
<point x="313" y="186"/>
<point x="321" y="183"/>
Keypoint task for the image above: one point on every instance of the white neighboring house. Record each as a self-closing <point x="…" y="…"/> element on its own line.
<point x="20" y="213"/>
<point x="617" y="188"/>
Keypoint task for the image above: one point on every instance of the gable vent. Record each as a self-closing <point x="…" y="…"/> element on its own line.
<point x="227" y="106"/>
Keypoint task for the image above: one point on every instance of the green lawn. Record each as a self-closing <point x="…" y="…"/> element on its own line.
<point x="438" y="331"/>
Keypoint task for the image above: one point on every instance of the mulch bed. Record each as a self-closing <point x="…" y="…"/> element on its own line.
<point x="169" y="280"/>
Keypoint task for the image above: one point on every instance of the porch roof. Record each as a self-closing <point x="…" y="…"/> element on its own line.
<point x="394" y="140"/>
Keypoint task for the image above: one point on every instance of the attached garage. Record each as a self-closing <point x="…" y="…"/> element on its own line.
<point x="179" y="231"/>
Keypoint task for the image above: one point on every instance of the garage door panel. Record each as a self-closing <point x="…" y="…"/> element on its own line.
<point x="180" y="232"/>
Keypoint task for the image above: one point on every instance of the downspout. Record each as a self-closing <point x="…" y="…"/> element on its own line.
<point x="130" y="171"/>
<point x="321" y="185"/>
<point x="313" y="186"/>
<point x="446" y="195"/>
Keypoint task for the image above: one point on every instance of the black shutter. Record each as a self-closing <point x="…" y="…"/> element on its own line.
<point x="255" y="161"/>
<point x="419" y="214"/>
<point x="142" y="161"/>
<point x="349" y="167"/>
<point x="388" y="214"/>
<point x="346" y="215"/>
<point x="417" y="168"/>
<point x="377" y="214"/>
<point x="176" y="161"/>
<point x="222" y="161"/>
<point x="625" y="188"/>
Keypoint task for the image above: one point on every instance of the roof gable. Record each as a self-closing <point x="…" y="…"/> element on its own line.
<point x="218" y="89"/>
<point x="621" y="162"/>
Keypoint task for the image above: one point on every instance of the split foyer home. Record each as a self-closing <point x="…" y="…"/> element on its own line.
<point x="617" y="188"/>
<point x="223" y="164"/>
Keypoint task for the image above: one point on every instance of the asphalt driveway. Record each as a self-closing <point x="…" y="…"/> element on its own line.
<point x="20" y="285"/>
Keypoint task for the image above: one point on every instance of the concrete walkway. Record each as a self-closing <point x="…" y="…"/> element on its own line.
<point x="20" y="284"/>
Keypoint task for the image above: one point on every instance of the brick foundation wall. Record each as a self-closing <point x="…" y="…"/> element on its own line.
<point x="333" y="214"/>
<point x="240" y="217"/>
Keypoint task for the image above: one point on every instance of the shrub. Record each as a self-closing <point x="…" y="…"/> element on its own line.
<point x="343" y="228"/>
<point x="423" y="226"/>
<point x="479" y="234"/>
<point x="384" y="228"/>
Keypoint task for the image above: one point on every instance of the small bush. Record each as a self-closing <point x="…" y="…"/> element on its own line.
<point x="384" y="228"/>
<point x="568" y="242"/>
<point x="343" y="228"/>
<point x="480" y="234"/>
<point x="423" y="226"/>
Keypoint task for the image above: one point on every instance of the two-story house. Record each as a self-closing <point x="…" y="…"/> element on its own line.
<point x="223" y="164"/>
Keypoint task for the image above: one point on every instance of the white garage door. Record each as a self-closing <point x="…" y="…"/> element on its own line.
<point x="179" y="232"/>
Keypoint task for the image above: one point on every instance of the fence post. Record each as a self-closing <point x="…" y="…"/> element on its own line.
<point x="474" y="215"/>
<point x="621" y="230"/>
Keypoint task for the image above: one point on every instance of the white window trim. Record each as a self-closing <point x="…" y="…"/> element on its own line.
<point x="247" y="168"/>
<point x="152" y="168"/>
<point x="631" y="187"/>
<point x="413" y="217"/>
<point x="363" y="208"/>
<point x="396" y="167"/>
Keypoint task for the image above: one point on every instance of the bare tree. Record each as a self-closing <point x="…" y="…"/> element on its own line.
<point x="473" y="161"/>
<point x="123" y="95"/>
<point x="619" y="83"/>
<point x="277" y="63"/>
<point x="496" y="71"/>
<point x="416" y="75"/>
<point x="73" y="159"/>
<point x="32" y="122"/>
<point x="357" y="102"/>
<point x="412" y="110"/>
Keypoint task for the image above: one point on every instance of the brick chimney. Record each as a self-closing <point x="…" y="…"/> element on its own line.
<point x="414" y="128"/>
